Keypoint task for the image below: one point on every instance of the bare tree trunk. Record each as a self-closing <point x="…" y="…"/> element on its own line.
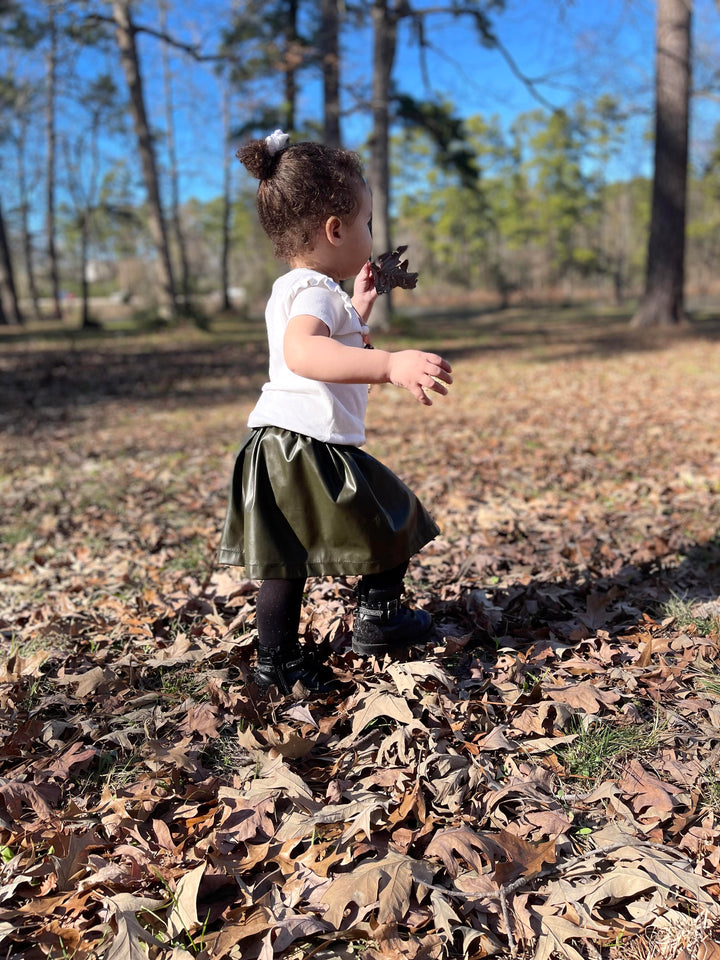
<point x="125" y="34"/>
<point x="384" y="44"/>
<point x="662" y="303"/>
<point x="173" y="169"/>
<point x="85" y="286"/>
<point x="330" y="55"/>
<point x="291" y="55"/>
<point x="8" y="295"/>
<point x="227" y="200"/>
<point x="622" y="269"/>
<point x="26" y="232"/>
<point x="51" y="71"/>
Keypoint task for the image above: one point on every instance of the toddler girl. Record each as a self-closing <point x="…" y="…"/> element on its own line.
<point x="304" y="500"/>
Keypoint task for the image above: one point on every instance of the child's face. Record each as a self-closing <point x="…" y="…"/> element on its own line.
<point x="357" y="248"/>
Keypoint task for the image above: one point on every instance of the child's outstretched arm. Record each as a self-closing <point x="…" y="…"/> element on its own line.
<point x="310" y="352"/>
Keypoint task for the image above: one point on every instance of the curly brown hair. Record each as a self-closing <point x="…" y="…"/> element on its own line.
<point x="300" y="187"/>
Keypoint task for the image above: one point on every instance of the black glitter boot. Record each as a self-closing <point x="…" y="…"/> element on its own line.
<point x="385" y="625"/>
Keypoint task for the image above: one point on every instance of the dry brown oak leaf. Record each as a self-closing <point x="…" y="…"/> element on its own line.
<point x="389" y="271"/>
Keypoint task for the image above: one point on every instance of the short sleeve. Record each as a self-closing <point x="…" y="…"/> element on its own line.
<point x="318" y="301"/>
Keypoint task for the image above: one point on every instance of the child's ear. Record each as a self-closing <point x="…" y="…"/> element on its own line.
<point x="333" y="230"/>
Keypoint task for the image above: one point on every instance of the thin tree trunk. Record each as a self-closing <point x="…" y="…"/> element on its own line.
<point x="85" y="286"/>
<point x="662" y="303"/>
<point x="330" y="54"/>
<point x="26" y="233"/>
<point x="125" y="34"/>
<point x="8" y="292"/>
<point x="384" y="44"/>
<point x="623" y="259"/>
<point x="227" y="200"/>
<point x="173" y="169"/>
<point x="291" y="54"/>
<point x="51" y="73"/>
<point x="87" y="203"/>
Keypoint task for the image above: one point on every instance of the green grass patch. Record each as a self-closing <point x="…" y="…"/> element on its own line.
<point x="601" y="749"/>
<point x="18" y="532"/>
<point x="181" y="684"/>
<point x="225" y="755"/>
<point x="707" y="682"/>
<point x="710" y="794"/>
<point x="689" y="614"/>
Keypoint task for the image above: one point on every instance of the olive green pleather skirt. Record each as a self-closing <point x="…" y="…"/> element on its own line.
<point x="299" y="507"/>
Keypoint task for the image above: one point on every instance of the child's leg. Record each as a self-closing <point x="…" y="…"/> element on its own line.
<point x="386" y="579"/>
<point x="281" y="661"/>
<point x="278" y="614"/>
<point x="382" y="623"/>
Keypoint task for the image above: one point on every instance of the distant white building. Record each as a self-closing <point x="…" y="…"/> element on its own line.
<point x="237" y="294"/>
<point x="97" y="271"/>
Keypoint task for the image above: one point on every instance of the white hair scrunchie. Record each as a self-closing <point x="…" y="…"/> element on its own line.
<point x="276" y="142"/>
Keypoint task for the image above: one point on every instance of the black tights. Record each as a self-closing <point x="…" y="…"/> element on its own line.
<point x="279" y="603"/>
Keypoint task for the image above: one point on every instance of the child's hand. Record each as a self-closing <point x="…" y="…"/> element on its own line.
<point x="364" y="292"/>
<point x="418" y="372"/>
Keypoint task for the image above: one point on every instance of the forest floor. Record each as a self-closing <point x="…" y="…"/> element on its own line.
<point x="540" y="780"/>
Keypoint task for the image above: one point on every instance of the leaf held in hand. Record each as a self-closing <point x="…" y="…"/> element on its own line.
<point x="390" y="271"/>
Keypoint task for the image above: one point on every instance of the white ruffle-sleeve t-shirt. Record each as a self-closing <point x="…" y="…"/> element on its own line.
<point x="331" y="412"/>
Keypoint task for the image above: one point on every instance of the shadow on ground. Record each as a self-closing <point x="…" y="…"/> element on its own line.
<point x="50" y="371"/>
<point x="565" y="612"/>
<point x="552" y="333"/>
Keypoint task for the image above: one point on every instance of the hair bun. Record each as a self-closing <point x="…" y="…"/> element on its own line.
<point x="257" y="159"/>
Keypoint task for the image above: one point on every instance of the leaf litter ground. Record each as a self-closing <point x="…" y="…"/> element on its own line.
<point x="541" y="780"/>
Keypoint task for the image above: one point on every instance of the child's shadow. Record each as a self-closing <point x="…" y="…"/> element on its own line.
<point x="683" y="587"/>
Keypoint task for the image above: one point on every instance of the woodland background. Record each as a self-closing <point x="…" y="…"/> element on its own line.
<point x="112" y="185"/>
<point x="541" y="780"/>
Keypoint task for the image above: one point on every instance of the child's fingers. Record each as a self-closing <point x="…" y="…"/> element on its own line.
<point x="365" y="276"/>
<point x="428" y="383"/>
<point x="419" y="372"/>
<point x="439" y="370"/>
<point x="442" y="368"/>
<point x="438" y="387"/>
<point x="443" y="375"/>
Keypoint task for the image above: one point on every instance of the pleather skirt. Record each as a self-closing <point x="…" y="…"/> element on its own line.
<point x="299" y="507"/>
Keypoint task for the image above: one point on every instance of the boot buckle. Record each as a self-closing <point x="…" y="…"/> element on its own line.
<point x="382" y="610"/>
<point x="393" y="608"/>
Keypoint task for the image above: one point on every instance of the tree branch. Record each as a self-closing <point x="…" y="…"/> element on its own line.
<point x="489" y="36"/>
<point x="525" y="80"/>
<point x="191" y="49"/>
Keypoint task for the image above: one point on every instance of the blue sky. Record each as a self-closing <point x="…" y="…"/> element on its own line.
<point x="572" y="49"/>
<point x="569" y="50"/>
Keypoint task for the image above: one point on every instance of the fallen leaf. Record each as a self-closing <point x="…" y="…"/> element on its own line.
<point x="183" y="917"/>
<point x="526" y="859"/>
<point x="476" y="850"/>
<point x="126" y="943"/>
